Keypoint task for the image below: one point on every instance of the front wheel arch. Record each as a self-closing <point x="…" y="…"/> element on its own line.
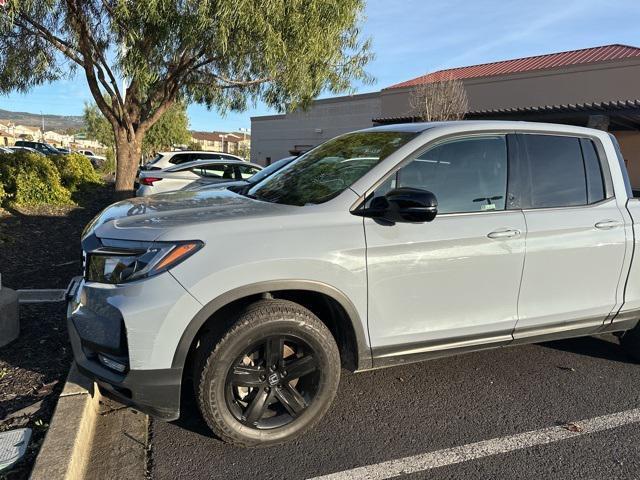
<point x="331" y="305"/>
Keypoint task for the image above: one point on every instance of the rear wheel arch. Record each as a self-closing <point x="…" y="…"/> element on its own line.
<point x="331" y="305"/>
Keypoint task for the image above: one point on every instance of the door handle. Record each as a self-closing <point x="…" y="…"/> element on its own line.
<point x="608" y="224"/>
<point x="508" y="233"/>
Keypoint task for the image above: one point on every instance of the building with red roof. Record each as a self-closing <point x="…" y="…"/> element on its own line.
<point x="597" y="87"/>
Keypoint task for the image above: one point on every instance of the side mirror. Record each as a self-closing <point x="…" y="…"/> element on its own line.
<point x="411" y="205"/>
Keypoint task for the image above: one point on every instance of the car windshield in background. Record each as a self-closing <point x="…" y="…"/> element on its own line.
<point x="330" y="169"/>
<point x="155" y="159"/>
<point x="274" y="167"/>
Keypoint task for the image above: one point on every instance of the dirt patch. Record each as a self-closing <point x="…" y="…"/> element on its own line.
<point x="39" y="248"/>
<point x="32" y="373"/>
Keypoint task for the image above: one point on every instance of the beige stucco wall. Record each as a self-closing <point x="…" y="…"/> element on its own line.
<point x="630" y="146"/>
<point x="275" y="135"/>
<point x="619" y="80"/>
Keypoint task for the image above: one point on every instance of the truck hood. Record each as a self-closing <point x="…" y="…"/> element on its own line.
<point x="147" y="218"/>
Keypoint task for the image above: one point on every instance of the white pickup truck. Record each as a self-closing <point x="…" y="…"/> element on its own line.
<point x="380" y="247"/>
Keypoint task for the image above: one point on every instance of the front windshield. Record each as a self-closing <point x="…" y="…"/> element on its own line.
<point x="327" y="171"/>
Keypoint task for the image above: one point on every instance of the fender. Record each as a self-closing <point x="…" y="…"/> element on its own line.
<point x="364" y="351"/>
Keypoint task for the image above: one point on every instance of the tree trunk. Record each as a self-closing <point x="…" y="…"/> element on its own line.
<point x="128" y="155"/>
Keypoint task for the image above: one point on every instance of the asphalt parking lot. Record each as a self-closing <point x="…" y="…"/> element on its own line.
<point x="408" y="413"/>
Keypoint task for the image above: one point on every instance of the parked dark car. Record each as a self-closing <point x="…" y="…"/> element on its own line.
<point x="41" y="147"/>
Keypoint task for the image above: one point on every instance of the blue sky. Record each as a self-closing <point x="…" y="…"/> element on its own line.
<point x="413" y="37"/>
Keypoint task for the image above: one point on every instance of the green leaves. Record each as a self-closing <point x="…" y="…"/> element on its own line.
<point x="30" y="179"/>
<point x="220" y="53"/>
<point x="225" y="54"/>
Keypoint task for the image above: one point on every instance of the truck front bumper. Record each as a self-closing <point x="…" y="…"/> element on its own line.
<point x="155" y="392"/>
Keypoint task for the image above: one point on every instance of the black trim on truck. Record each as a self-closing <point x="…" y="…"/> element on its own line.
<point x="363" y="359"/>
<point x="155" y="392"/>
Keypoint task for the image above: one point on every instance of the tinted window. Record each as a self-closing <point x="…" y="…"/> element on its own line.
<point x="593" y="170"/>
<point x="180" y="158"/>
<point x="205" y="156"/>
<point x="220" y="171"/>
<point x="556" y="171"/>
<point x="466" y="174"/>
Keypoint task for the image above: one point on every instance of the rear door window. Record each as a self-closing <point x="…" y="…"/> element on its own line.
<point x="558" y="171"/>
<point x="179" y="158"/>
<point x="555" y="171"/>
<point x="219" y="171"/>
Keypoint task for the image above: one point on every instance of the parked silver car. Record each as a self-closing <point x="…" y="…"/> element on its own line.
<point x="239" y="185"/>
<point x="176" y="177"/>
<point x="380" y="247"/>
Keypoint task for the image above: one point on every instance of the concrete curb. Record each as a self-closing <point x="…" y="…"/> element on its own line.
<point x="66" y="449"/>
<point x="91" y="436"/>
<point x="9" y="320"/>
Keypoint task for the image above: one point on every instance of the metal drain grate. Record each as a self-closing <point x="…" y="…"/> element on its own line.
<point x="13" y="444"/>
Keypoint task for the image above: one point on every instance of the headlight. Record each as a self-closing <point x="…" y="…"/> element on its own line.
<point x="119" y="262"/>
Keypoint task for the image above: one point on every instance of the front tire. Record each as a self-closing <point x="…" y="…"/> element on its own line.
<point x="271" y="377"/>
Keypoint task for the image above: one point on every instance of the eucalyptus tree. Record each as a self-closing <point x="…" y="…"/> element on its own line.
<point x="140" y="57"/>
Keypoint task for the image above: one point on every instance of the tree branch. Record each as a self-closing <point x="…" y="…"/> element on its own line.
<point x="83" y="35"/>
<point x="64" y="47"/>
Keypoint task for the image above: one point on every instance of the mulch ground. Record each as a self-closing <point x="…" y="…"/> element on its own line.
<point x="39" y="248"/>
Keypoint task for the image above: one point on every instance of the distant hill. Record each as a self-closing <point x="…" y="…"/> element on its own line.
<point x="51" y="122"/>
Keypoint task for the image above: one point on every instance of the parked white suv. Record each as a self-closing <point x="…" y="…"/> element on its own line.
<point x="170" y="159"/>
<point x="377" y="248"/>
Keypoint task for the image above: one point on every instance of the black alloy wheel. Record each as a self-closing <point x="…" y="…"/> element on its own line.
<point x="270" y="377"/>
<point x="273" y="382"/>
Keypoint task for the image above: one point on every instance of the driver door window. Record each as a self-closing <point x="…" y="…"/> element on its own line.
<point x="466" y="174"/>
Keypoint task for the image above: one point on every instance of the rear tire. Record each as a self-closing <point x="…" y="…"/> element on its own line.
<point x="269" y="378"/>
<point x="630" y="342"/>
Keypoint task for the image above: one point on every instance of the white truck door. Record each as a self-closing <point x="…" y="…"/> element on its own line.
<point x="453" y="282"/>
<point x="575" y="243"/>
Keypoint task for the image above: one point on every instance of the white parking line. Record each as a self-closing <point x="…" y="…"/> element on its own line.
<point x="485" y="448"/>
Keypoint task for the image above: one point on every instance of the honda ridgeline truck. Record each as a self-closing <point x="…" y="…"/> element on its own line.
<point x="380" y="247"/>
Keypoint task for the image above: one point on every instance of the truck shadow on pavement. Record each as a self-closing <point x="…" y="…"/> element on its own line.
<point x="573" y="352"/>
<point x="606" y="347"/>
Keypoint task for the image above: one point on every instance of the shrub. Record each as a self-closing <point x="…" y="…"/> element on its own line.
<point x="75" y="171"/>
<point x="30" y="179"/>
<point x="109" y="166"/>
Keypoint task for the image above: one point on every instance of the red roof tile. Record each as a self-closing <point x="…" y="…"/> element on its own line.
<point x="519" y="65"/>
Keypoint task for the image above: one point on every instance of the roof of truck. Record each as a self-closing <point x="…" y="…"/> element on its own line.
<point x="418" y="127"/>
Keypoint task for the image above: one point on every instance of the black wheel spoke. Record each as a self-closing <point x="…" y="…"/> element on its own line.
<point x="273" y="381"/>
<point x="256" y="408"/>
<point x="247" y="376"/>
<point x="301" y="366"/>
<point x="273" y="352"/>
<point x="291" y="399"/>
